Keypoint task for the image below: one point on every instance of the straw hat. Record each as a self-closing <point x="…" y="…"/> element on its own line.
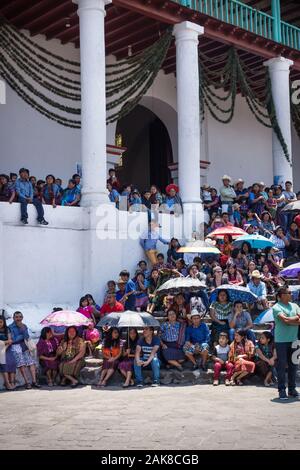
<point x="226" y="177"/>
<point x="256" y="274"/>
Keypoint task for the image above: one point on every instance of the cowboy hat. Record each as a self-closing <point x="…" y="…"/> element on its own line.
<point x="256" y="274"/>
<point x="226" y="177"/>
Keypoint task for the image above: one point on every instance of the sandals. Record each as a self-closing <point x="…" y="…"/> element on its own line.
<point x="74" y="385"/>
<point x="239" y="382"/>
<point x="28" y="386"/>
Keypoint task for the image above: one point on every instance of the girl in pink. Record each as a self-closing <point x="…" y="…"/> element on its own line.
<point x="86" y="309"/>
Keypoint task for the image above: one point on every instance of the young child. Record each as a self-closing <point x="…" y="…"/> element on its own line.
<point x="196" y="340"/>
<point x="92" y="338"/>
<point x="111" y="287"/>
<point x="220" y="359"/>
<point x="86" y="309"/>
<point x="244" y="207"/>
<point x="266" y="358"/>
<point x="241" y="354"/>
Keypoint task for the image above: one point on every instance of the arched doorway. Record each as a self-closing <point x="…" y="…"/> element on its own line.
<point x="149" y="149"/>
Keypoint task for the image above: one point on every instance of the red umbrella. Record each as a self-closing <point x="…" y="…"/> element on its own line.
<point x="228" y="230"/>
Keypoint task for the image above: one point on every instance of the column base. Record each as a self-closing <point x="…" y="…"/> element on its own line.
<point x="193" y="220"/>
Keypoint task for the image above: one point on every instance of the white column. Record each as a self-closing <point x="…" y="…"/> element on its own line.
<point x="188" y="112"/>
<point x="279" y="69"/>
<point x="93" y="102"/>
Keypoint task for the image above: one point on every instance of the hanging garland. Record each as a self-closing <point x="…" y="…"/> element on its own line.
<point x="29" y="69"/>
<point x="229" y="80"/>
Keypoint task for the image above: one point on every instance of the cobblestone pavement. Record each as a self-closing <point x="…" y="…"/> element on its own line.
<point x="190" y="417"/>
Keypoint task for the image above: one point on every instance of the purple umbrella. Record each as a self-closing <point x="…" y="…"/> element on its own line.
<point x="291" y="271"/>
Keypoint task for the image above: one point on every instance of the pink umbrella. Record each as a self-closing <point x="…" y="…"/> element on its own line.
<point x="65" y="318"/>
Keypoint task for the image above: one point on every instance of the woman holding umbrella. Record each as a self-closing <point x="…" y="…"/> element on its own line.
<point x="219" y="313"/>
<point x="71" y="352"/>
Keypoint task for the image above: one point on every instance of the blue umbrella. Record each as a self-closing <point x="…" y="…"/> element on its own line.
<point x="257" y="242"/>
<point x="240" y="293"/>
<point x="265" y="317"/>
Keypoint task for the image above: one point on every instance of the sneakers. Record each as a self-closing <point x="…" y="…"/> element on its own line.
<point x="293" y="393"/>
<point x="24" y="221"/>
<point x="283" y="395"/>
<point x="155" y="384"/>
<point x="43" y="222"/>
<point x="140" y="385"/>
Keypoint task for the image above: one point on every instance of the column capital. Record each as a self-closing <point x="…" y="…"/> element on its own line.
<point x="279" y="63"/>
<point x="187" y="31"/>
<point x="91" y="4"/>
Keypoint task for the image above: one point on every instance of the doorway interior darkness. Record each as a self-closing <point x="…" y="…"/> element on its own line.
<point x="149" y="150"/>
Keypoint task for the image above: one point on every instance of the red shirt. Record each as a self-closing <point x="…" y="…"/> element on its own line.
<point x="297" y="220"/>
<point x="105" y="309"/>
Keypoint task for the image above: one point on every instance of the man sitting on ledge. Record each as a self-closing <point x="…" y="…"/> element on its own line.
<point x="24" y="192"/>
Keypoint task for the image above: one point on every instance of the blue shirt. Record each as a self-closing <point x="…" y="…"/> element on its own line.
<point x="24" y="188"/>
<point x="17" y="334"/>
<point x="197" y="335"/>
<point x="146" y="347"/>
<point x="170" y="333"/>
<point x="259" y="290"/>
<point x="130" y="302"/>
<point x="149" y="239"/>
<point x="113" y="195"/>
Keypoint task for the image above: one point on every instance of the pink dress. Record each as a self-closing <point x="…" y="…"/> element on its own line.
<point x="86" y="311"/>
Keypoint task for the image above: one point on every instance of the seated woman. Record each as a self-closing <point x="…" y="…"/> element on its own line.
<point x="154" y="283"/>
<point x="265" y="358"/>
<point x="241" y="355"/>
<point x="128" y="354"/>
<point x="20" y="348"/>
<point x="7" y="360"/>
<point x="172" y="203"/>
<point x="71" y="352"/>
<point x="46" y="350"/>
<point x="219" y="313"/>
<point x="51" y="194"/>
<point x="7" y="192"/>
<point x="233" y="276"/>
<point x="172" y="254"/>
<point x="71" y="195"/>
<point x="281" y="242"/>
<point x="141" y="296"/>
<point x="181" y="307"/>
<point x="240" y="319"/>
<point x="111" y="354"/>
<point x="172" y="340"/>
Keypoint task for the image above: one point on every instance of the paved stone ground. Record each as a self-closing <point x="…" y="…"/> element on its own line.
<point x="173" y="417"/>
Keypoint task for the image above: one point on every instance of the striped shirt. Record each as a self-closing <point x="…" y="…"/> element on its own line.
<point x="170" y="332"/>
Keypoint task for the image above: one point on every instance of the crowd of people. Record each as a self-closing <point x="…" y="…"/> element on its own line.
<point x="184" y="336"/>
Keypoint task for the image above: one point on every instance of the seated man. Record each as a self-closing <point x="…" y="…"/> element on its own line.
<point x="196" y="340"/>
<point x="24" y="192"/>
<point x="146" y="356"/>
<point x="258" y="288"/>
<point x="111" y="305"/>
